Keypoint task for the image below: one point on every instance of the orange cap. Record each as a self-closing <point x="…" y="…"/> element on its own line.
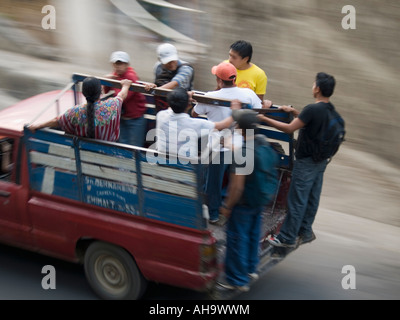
<point x="225" y="71"/>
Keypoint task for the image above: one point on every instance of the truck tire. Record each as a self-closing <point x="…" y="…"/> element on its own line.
<point x="112" y="272"/>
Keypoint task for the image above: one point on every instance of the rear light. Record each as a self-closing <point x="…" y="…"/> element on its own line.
<point x="208" y="257"/>
<point x="208" y="252"/>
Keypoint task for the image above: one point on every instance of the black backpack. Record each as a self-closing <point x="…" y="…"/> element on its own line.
<point x="330" y="137"/>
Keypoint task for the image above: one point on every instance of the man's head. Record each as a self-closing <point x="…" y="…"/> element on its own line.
<point x="324" y="85"/>
<point x="245" y="118"/>
<point x="120" y="61"/>
<point x="226" y="72"/>
<point x="240" y="53"/>
<point x="178" y="100"/>
<point x="168" y="56"/>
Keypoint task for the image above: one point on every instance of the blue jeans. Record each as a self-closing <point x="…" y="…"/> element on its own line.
<point x="303" y="199"/>
<point x="132" y="131"/>
<point x="213" y="188"/>
<point x="242" y="246"/>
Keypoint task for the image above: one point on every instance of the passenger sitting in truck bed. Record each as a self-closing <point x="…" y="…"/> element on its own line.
<point x="178" y="133"/>
<point x="95" y="119"/>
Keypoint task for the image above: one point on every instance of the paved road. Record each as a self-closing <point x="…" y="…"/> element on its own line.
<point x="313" y="272"/>
<point x="350" y="231"/>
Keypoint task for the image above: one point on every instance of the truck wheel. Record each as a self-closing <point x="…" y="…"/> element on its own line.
<point x="112" y="272"/>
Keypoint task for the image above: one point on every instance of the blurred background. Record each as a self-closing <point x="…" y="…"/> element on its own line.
<point x="292" y="41"/>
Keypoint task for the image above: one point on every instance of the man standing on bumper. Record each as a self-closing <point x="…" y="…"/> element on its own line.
<point x="307" y="175"/>
<point x="244" y="218"/>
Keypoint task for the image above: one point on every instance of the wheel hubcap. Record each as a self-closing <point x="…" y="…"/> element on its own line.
<point x="111" y="274"/>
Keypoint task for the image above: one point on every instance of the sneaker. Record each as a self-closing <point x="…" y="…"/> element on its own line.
<point x="273" y="240"/>
<point x="220" y="221"/>
<point x="213" y="221"/>
<point x="254" y="276"/>
<point x="303" y="240"/>
<point x="228" y="286"/>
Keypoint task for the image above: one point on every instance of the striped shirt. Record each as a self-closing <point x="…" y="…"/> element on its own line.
<point x="107" y="119"/>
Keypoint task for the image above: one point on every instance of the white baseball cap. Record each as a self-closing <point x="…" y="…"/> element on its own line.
<point x="119" y="56"/>
<point x="167" y="53"/>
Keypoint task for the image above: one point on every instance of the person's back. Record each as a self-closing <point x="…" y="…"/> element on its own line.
<point x="106" y="119"/>
<point x="95" y="119"/>
<point x="177" y="132"/>
<point x="244" y="217"/>
<point x="262" y="183"/>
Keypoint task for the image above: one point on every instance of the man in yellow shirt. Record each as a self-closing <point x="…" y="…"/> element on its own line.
<point x="248" y="74"/>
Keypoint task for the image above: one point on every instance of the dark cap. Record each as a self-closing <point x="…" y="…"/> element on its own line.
<point x="245" y="118"/>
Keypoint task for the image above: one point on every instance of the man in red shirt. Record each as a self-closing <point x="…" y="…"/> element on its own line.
<point x="133" y="123"/>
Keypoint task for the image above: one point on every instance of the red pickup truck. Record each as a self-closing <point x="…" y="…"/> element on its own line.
<point x="108" y="206"/>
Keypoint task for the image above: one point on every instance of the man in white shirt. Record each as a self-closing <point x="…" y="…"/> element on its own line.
<point x="226" y="74"/>
<point x="178" y="133"/>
